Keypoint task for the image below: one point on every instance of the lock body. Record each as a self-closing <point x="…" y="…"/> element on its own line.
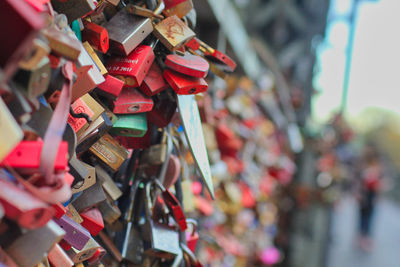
<point x="97" y="36"/>
<point x="132" y="125"/>
<point x="111" y="87"/>
<point x="180" y="8"/>
<point x="154" y="82"/>
<point x="131" y="101"/>
<point x="183" y="84"/>
<point x="188" y="64"/>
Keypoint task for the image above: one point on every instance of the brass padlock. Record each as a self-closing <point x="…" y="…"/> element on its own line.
<point x="73" y="214"/>
<point x="173" y="33"/>
<point x="85" y="253"/>
<point x="110" y="211"/>
<point x="73" y="9"/>
<point x="95" y="58"/>
<point x="85" y="172"/>
<point x="155" y="154"/>
<point x="10" y="132"/>
<point x="109" y="151"/>
<point x="30" y="248"/>
<point x="62" y="44"/>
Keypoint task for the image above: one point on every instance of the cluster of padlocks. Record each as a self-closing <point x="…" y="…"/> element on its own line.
<point x="98" y="117"/>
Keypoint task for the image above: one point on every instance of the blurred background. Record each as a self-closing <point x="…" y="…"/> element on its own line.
<point x="324" y="75"/>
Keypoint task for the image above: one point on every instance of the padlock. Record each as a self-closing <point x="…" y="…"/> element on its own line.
<point x="192" y="259"/>
<point x="131" y="101"/>
<point x="180" y="8"/>
<point x="155" y="154"/>
<point x="96" y="35"/>
<point x="73" y="214"/>
<point x="111" y="87"/>
<point x="173" y="206"/>
<point x="23" y="207"/>
<point x="94" y="132"/>
<point x="95" y="58"/>
<point x="95" y="260"/>
<point x="92" y="221"/>
<point x="154" y="82"/>
<point x="217" y="56"/>
<point x="163" y="110"/>
<point x="58" y="258"/>
<point x="188" y="64"/>
<point x="75" y="234"/>
<point x="19" y="106"/>
<point x="134" y="67"/>
<point x="39" y="51"/>
<point x="173" y="32"/>
<point x="133" y="125"/>
<point x="6" y="260"/>
<point x="161" y="240"/>
<point x="10" y="132"/>
<point x="26" y="157"/>
<point x="135" y="142"/>
<point x="89" y="197"/>
<point x="59" y="210"/>
<point x="88" y="75"/>
<point x="62" y="44"/>
<point x="173" y="171"/>
<point x="87" y="105"/>
<point x="30" y="248"/>
<point x="126" y="31"/>
<point x="183" y="84"/>
<point x="89" y="178"/>
<point x="109" y="152"/>
<point x="108" y="183"/>
<point x="73" y="9"/>
<point x="81" y="255"/>
<point x="80" y="173"/>
<point x="192" y="236"/>
<point x="143" y="12"/>
<point x="36" y="80"/>
<point x="132" y="249"/>
<point x="110" y="211"/>
<point x="28" y="22"/>
<point x="111" y="248"/>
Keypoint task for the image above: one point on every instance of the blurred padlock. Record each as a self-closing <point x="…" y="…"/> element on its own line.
<point x="58" y="258"/>
<point x="10" y="132"/>
<point x="131" y="101"/>
<point x="81" y="255"/>
<point x="183" y="84"/>
<point x="133" y="125"/>
<point x="163" y="110"/>
<point x="75" y="235"/>
<point x="90" y="197"/>
<point x="173" y="33"/>
<point x="108" y="183"/>
<point x="110" y="211"/>
<point x="62" y="44"/>
<point x="73" y="9"/>
<point x="73" y="214"/>
<point x="180" y="8"/>
<point x="26" y="157"/>
<point x="95" y="58"/>
<point x="30" y="248"/>
<point x="92" y="221"/>
<point x="96" y="35"/>
<point x="23" y="207"/>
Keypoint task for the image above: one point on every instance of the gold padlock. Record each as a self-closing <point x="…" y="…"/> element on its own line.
<point x="62" y="44"/>
<point x="74" y="214"/>
<point x="109" y="151"/>
<point x="84" y="254"/>
<point x="95" y="58"/>
<point x="173" y="32"/>
<point x="10" y="132"/>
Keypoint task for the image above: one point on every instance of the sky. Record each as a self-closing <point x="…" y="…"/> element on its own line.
<point x="375" y="72"/>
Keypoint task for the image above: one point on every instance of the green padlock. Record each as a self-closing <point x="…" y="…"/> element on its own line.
<point x="132" y="125"/>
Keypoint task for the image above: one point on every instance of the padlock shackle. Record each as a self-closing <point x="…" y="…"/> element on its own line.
<point x="194" y="223"/>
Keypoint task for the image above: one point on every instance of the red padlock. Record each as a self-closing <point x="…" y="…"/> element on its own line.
<point x="132" y="101"/>
<point x="221" y="58"/>
<point x="111" y="87"/>
<point x="177" y="7"/>
<point x="175" y="208"/>
<point x="135" y="142"/>
<point x="154" y="82"/>
<point x="21" y="206"/>
<point x="193" y="44"/>
<point x="59" y="210"/>
<point x="96" y="35"/>
<point x="92" y="221"/>
<point x="173" y="171"/>
<point x="188" y="64"/>
<point x="192" y="237"/>
<point x="163" y="110"/>
<point x="183" y="84"/>
<point x="26" y="157"/>
<point x="134" y="67"/>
